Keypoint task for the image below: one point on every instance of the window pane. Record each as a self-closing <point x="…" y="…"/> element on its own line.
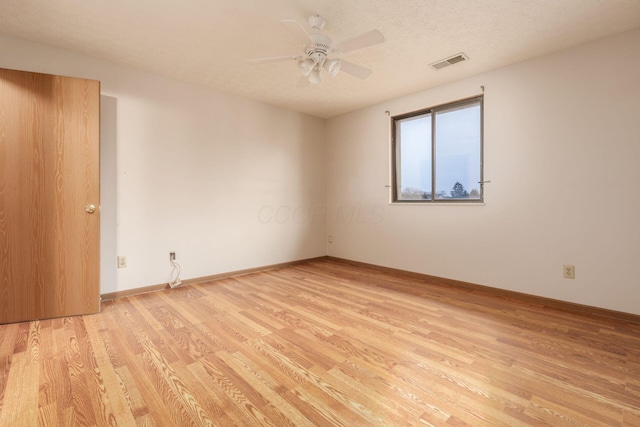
<point x="458" y="152"/>
<point x="413" y="158"/>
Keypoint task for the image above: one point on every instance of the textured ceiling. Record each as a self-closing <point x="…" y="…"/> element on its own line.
<point x="208" y="42"/>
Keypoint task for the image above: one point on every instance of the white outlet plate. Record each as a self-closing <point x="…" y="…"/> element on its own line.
<point x="122" y="262"/>
<point x="569" y="271"/>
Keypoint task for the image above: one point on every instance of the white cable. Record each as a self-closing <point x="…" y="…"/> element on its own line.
<point x="175" y="274"/>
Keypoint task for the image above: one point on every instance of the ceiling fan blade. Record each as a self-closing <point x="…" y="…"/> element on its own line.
<point x="355" y="70"/>
<point x="303" y="82"/>
<point x="297" y="28"/>
<point x="363" y="40"/>
<point x="272" y="59"/>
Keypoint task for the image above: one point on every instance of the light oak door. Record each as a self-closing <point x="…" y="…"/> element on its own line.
<point x="49" y="196"/>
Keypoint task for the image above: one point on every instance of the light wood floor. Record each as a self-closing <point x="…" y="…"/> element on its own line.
<point x="324" y="344"/>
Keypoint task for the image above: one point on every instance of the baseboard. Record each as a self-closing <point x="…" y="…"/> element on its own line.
<point x="503" y="293"/>
<point x="163" y="286"/>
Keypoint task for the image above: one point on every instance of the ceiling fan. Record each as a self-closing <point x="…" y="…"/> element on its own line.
<point x="318" y="48"/>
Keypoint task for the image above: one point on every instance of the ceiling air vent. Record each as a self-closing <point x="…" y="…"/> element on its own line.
<point x="459" y="57"/>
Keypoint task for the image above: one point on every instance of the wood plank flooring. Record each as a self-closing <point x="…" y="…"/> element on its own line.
<point x="320" y="344"/>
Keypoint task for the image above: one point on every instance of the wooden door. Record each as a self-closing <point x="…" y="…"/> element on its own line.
<point x="49" y="175"/>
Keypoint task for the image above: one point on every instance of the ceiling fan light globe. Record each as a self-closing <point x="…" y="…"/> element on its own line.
<point x="315" y="77"/>
<point x="333" y="66"/>
<point x="306" y="66"/>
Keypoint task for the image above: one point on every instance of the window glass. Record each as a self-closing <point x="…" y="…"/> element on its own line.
<point x="415" y="158"/>
<point x="457" y="151"/>
<point x="438" y="154"/>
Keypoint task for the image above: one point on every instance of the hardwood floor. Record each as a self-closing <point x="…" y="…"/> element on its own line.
<point x="326" y="344"/>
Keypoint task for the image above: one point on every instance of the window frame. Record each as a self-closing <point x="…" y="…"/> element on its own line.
<point x="395" y="147"/>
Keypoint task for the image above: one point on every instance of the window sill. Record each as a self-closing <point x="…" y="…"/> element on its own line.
<point x="436" y="203"/>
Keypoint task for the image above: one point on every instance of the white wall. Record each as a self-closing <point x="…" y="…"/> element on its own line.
<point x="230" y="183"/>
<point x="562" y="149"/>
<point x="225" y="182"/>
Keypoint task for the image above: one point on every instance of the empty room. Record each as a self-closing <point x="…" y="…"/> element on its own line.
<point x="319" y="213"/>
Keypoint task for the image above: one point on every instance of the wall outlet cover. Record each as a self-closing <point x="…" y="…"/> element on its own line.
<point x="569" y="271"/>
<point x="122" y="262"/>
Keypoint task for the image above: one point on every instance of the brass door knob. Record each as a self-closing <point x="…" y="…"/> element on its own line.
<point x="90" y="209"/>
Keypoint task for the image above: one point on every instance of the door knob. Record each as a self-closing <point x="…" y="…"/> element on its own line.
<point x="90" y="209"/>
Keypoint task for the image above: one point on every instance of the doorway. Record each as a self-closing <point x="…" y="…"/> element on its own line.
<point x="49" y="196"/>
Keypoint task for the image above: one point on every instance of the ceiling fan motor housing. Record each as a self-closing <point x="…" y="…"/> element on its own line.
<point x="322" y="45"/>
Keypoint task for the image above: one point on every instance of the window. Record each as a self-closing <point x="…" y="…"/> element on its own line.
<point x="437" y="154"/>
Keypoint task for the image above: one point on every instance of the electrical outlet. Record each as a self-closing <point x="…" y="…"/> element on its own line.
<point x="569" y="271"/>
<point x="330" y="239"/>
<point x="172" y="256"/>
<point x="122" y="262"/>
